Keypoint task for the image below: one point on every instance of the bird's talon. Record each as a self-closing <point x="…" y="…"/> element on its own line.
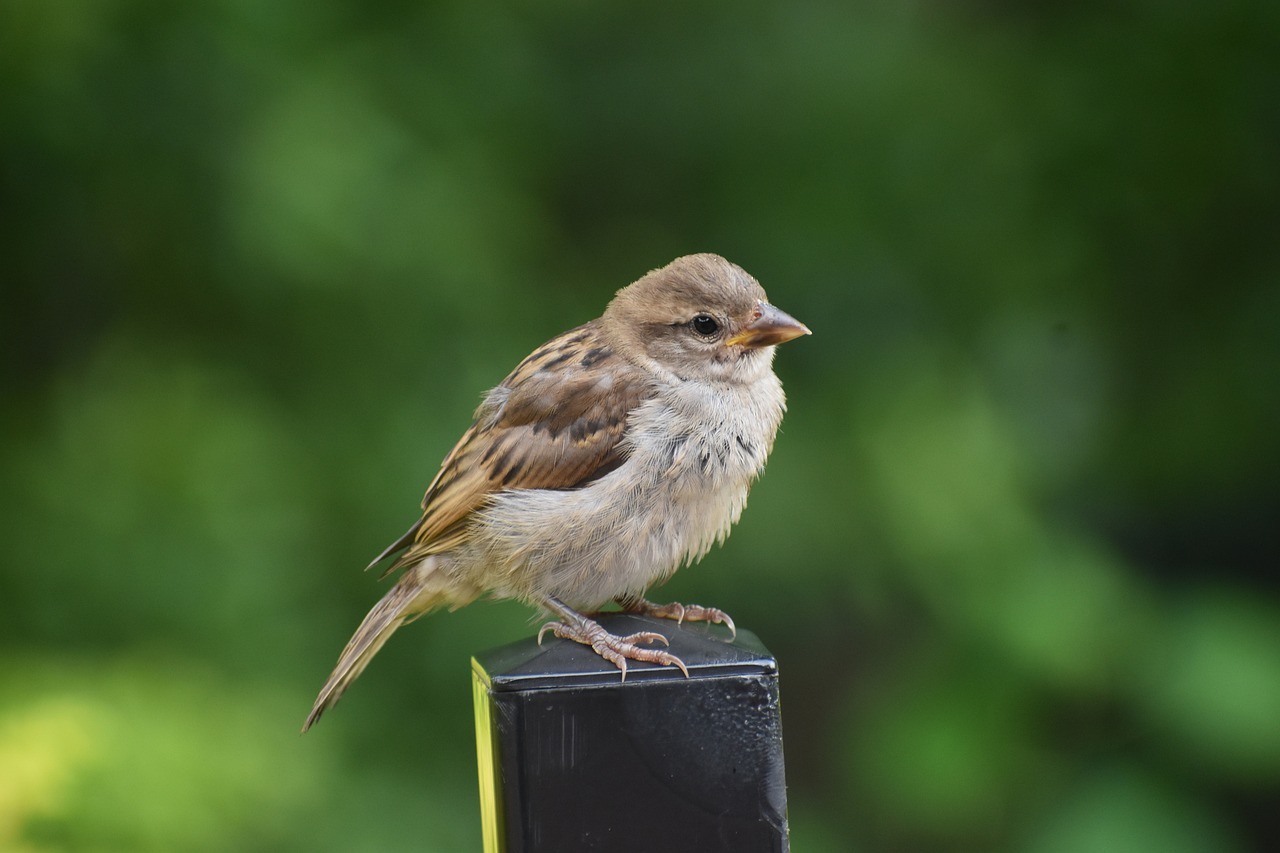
<point x="645" y="637"/>
<point x="680" y="612"/>
<point x="612" y="647"/>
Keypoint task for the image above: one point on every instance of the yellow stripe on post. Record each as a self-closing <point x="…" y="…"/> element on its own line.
<point x="485" y="759"/>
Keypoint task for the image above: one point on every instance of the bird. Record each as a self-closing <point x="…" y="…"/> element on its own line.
<point x="614" y="454"/>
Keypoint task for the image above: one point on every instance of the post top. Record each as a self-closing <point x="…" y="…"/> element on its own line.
<point x="705" y="650"/>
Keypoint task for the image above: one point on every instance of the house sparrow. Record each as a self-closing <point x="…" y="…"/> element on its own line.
<point x="614" y="454"/>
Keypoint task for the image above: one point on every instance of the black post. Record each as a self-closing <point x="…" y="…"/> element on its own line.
<point x="573" y="758"/>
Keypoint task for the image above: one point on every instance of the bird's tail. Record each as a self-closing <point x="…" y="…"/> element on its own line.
<point x="417" y="591"/>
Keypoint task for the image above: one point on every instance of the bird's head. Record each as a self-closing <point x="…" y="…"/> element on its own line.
<point x="700" y="317"/>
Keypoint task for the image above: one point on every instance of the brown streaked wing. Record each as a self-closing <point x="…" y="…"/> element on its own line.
<point x="555" y="423"/>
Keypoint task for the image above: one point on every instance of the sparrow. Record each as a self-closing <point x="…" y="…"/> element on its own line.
<point x="610" y="457"/>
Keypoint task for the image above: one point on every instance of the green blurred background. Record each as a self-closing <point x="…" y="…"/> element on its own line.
<point x="1016" y="549"/>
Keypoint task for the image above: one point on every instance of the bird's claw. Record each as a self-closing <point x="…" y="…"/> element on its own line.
<point x="612" y="647"/>
<point x="681" y="612"/>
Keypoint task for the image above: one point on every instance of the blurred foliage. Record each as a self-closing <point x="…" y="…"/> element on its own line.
<point x="1016" y="548"/>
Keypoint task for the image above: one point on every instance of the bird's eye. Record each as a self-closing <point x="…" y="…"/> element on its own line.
<point x="705" y="324"/>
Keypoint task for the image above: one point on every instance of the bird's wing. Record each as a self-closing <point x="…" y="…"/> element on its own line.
<point x="555" y="423"/>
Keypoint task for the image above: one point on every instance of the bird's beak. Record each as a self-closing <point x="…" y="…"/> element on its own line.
<point x="770" y="326"/>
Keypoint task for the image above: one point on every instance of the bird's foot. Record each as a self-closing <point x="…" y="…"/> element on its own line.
<point x="613" y="648"/>
<point x="681" y="613"/>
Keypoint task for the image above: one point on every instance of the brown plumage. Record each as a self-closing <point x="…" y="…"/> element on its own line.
<point x="547" y="426"/>
<point x="609" y="456"/>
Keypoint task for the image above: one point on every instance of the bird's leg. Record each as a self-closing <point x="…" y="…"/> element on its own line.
<point x="613" y="648"/>
<point x="679" y="612"/>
